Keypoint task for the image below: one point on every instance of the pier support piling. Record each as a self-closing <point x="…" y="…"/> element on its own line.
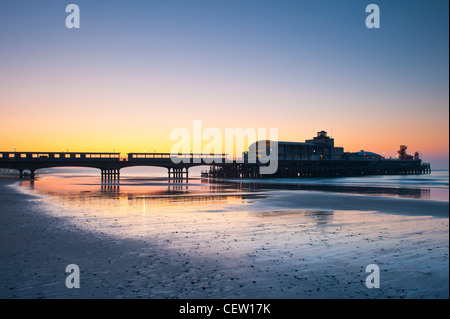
<point x="110" y="174"/>
<point x="178" y="174"/>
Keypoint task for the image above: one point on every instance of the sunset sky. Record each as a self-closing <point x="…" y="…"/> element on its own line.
<point x="136" y="70"/>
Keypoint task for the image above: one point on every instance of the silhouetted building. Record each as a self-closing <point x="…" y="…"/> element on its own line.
<point x="406" y="157"/>
<point x="320" y="147"/>
<point x="318" y="157"/>
<point x="362" y="155"/>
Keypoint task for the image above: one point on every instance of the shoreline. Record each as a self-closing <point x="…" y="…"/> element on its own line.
<point x="36" y="247"/>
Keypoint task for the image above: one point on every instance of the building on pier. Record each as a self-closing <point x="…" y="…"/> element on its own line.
<point x="319" y="157"/>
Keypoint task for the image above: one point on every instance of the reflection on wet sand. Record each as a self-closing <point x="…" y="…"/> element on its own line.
<point x="110" y="187"/>
<point x="161" y="194"/>
<point x="165" y="186"/>
<point x="321" y="217"/>
<point x="155" y="193"/>
<point x="418" y="193"/>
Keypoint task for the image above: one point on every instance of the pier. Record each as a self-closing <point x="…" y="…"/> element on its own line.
<point x="109" y="164"/>
<point x="317" y="157"/>
<point x="323" y="168"/>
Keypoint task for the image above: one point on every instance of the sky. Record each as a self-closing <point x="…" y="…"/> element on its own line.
<point x="136" y="70"/>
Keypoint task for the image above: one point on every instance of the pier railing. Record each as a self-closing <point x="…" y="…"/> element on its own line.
<point x="57" y="156"/>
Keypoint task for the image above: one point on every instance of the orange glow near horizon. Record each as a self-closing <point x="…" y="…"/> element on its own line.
<point x="97" y="133"/>
<point x="110" y="120"/>
<point x="106" y="125"/>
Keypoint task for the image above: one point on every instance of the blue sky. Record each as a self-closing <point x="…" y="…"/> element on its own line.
<point x="313" y="61"/>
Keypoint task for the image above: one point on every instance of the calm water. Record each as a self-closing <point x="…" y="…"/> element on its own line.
<point x="153" y="181"/>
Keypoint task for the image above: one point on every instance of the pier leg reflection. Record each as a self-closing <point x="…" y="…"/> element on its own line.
<point x="110" y="185"/>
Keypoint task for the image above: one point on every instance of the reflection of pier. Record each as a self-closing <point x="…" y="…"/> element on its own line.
<point x="185" y="199"/>
<point x="348" y="189"/>
<point x="321" y="217"/>
<point x="110" y="186"/>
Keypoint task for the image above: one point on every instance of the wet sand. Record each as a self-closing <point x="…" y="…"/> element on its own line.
<point x="286" y="244"/>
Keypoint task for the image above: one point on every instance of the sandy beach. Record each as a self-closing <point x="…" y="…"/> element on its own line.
<point x="273" y="244"/>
